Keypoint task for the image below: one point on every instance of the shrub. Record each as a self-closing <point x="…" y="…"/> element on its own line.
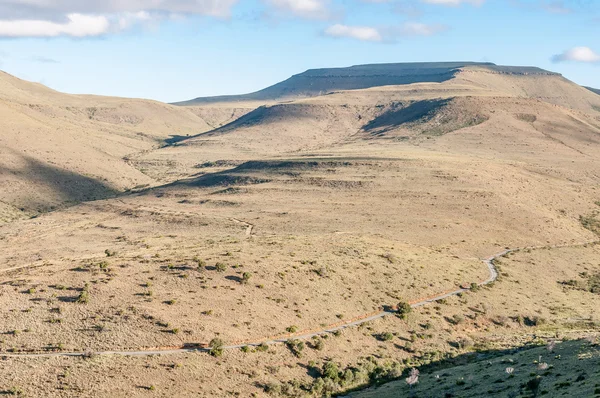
<point x="245" y="348"/>
<point x="15" y="391"/>
<point x="263" y="347"/>
<point x="273" y="389"/>
<point x="387" y="336"/>
<point x="216" y="347"/>
<point x="220" y="267"/>
<point x="404" y="309"/>
<point x="292" y="329"/>
<point x="246" y="277"/>
<point x="84" y="296"/>
<point x="331" y="371"/>
<point x="318" y="344"/>
<point x="295" y="346"/>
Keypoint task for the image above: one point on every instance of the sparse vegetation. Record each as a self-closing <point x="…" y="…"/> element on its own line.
<point x="220" y="267"/>
<point x="403" y="309"/>
<point x="246" y="277"/>
<point x="84" y="295"/>
<point x="216" y="347"/>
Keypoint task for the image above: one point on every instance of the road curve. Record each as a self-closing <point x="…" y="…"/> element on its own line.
<point x="303" y="335"/>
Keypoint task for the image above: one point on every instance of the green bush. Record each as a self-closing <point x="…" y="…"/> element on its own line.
<point x="318" y="343"/>
<point x="404" y="309"/>
<point x="263" y="347"/>
<point x="331" y="371"/>
<point x="220" y="267"/>
<point x="292" y="329"/>
<point x="84" y="296"/>
<point x="246" y="277"/>
<point x="216" y="347"/>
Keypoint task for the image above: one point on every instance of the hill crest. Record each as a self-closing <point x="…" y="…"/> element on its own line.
<point x="315" y="82"/>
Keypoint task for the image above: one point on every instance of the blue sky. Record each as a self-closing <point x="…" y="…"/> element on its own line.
<point x="172" y="50"/>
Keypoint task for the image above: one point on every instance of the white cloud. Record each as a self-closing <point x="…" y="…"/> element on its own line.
<point x="387" y="34"/>
<point x="421" y="29"/>
<point x="578" y="54"/>
<point x="77" y="25"/>
<point x="363" y="33"/>
<point x="454" y="3"/>
<point x="48" y="9"/>
<point x="85" y="18"/>
<point x="313" y="9"/>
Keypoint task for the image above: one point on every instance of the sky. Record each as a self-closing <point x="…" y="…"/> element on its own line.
<point x="175" y="50"/>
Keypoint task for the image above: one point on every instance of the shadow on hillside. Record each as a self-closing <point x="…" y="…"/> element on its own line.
<point x="399" y="115"/>
<point x="70" y="187"/>
<point x="219" y="179"/>
<point x="250" y="118"/>
<point x="525" y="368"/>
<point x="177" y="138"/>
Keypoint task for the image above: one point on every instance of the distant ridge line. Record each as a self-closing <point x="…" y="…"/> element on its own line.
<point x="314" y="82"/>
<point x="593" y="90"/>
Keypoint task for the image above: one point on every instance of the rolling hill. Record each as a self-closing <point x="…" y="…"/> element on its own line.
<point x="261" y="220"/>
<point x="57" y="148"/>
<point x="448" y="97"/>
<point x="317" y="82"/>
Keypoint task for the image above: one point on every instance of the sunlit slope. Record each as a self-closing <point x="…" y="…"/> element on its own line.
<point x="57" y="148"/>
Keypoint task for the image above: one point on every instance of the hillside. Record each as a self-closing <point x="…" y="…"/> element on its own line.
<point x="476" y="98"/>
<point x="316" y="82"/>
<point x="594" y="90"/>
<point x="285" y="236"/>
<point x="57" y="148"/>
<point x="557" y="369"/>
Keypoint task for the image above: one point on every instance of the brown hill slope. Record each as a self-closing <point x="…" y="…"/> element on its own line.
<point x="354" y="201"/>
<point x="541" y="103"/>
<point x="58" y="148"/>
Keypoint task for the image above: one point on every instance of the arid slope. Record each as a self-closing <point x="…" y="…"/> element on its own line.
<point x="298" y="216"/>
<point x="57" y="148"/>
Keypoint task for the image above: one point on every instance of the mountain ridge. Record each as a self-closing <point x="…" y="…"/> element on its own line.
<point x="355" y="77"/>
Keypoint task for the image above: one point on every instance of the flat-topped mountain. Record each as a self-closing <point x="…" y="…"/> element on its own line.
<point x="316" y="82"/>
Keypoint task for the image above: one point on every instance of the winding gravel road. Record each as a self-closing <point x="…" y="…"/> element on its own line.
<point x="303" y="335"/>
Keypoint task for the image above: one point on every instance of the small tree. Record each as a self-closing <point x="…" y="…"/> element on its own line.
<point x="216" y="347"/>
<point x="404" y="309"/>
<point x="331" y="371"/>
